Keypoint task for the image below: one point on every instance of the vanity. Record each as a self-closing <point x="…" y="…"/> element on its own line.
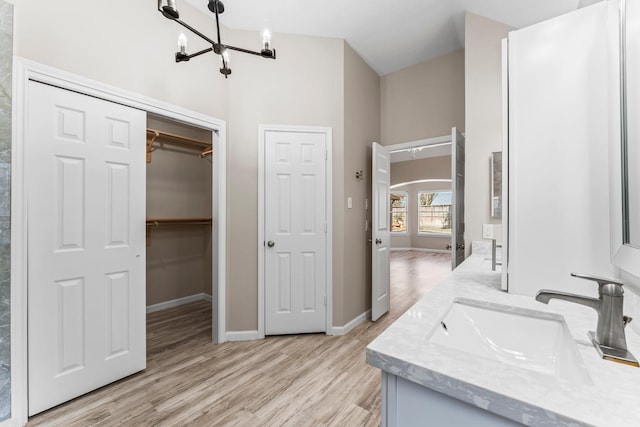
<point x="429" y="382"/>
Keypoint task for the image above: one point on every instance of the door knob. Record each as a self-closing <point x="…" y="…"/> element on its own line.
<point x="448" y="247"/>
<point x="459" y="246"/>
<point x="378" y="241"/>
<point x="271" y="243"/>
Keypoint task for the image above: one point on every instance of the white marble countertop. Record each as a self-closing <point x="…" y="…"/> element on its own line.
<point x="525" y="396"/>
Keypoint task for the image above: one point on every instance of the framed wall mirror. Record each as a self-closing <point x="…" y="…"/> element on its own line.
<point x="625" y="145"/>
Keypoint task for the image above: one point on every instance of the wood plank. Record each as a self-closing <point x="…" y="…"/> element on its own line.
<point x="311" y="379"/>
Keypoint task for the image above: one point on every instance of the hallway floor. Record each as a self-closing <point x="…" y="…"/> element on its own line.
<point x="310" y="380"/>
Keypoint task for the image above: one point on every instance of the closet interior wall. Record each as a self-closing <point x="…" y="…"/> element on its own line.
<point x="179" y="185"/>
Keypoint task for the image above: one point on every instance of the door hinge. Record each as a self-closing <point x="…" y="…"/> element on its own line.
<point x="325" y="300"/>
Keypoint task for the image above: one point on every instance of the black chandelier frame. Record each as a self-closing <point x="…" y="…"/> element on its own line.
<point x="169" y="11"/>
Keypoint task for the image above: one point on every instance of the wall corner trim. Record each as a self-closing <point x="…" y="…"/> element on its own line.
<point x="344" y="330"/>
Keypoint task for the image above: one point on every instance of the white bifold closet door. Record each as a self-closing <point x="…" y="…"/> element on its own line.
<point x="85" y="172"/>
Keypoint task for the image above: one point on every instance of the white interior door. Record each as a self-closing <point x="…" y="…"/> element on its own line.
<point x="295" y="232"/>
<point x="457" y="198"/>
<point x="86" y="250"/>
<point x="381" y="233"/>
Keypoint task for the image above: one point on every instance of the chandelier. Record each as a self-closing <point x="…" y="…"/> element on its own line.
<point x="169" y="10"/>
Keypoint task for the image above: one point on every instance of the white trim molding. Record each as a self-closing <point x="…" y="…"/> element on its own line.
<point x="24" y="71"/>
<point x="178" y="302"/>
<point x="328" y="132"/>
<point x="350" y="326"/>
<point x="243" y="335"/>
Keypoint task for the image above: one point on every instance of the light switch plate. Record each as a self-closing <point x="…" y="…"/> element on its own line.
<point x="487" y="231"/>
<point x="349" y="202"/>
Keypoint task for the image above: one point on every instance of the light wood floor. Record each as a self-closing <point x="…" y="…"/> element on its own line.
<point x="303" y="380"/>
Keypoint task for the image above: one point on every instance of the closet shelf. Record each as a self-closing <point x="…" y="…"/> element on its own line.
<point x="186" y="221"/>
<point x="156" y="137"/>
<point x="157" y="222"/>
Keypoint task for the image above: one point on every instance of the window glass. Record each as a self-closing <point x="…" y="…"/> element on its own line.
<point x="399" y="201"/>
<point x="434" y="212"/>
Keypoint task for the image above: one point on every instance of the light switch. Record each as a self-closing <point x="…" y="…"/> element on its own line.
<point x="349" y="202"/>
<point x="487" y="231"/>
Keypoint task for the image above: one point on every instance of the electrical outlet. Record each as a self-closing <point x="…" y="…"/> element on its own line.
<point x="487" y="231"/>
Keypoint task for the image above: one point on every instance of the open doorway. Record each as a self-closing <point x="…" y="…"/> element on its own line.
<point x="419" y="206"/>
<point x="179" y="205"/>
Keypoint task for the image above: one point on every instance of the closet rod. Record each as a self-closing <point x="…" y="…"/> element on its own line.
<point x="160" y="221"/>
<point x="155" y="136"/>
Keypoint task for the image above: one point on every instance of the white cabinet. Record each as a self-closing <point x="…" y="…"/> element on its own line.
<point x="558" y="132"/>
<point x="407" y="404"/>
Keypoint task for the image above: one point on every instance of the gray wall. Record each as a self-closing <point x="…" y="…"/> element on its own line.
<point x="423" y="101"/>
<point x="361" y="128"/>
<point x="6" y="52"/>
<point x="483" y="94"/>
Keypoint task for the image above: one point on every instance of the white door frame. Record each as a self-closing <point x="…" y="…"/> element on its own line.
<point x="24" y="71"/>
<point x="327" y="131"/>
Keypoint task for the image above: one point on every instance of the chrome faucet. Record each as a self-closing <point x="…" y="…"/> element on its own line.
<point x="609" y="338"/>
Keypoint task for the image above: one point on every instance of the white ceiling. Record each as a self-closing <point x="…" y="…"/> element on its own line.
<point x="388" y="35"/>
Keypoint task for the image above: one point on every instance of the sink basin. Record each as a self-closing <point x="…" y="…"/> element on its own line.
<point x="529" y="339"/>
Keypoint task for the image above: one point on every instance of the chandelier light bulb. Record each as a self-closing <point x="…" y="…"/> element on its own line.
<point x="182" y="43"/>
<point x="266" y="39"/>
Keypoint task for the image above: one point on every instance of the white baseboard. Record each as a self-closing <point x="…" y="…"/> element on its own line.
<point x="344" y="330"/>
<point x="435" y="251"/>
<point x="243" y="336"/>
<point x="177" y="302"/>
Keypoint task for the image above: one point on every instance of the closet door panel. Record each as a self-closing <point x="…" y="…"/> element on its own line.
<point x="86" y="244"/>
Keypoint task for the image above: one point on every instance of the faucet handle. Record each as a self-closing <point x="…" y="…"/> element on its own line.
<point x="601" y="280"/>
<point x="615" y="290"/>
